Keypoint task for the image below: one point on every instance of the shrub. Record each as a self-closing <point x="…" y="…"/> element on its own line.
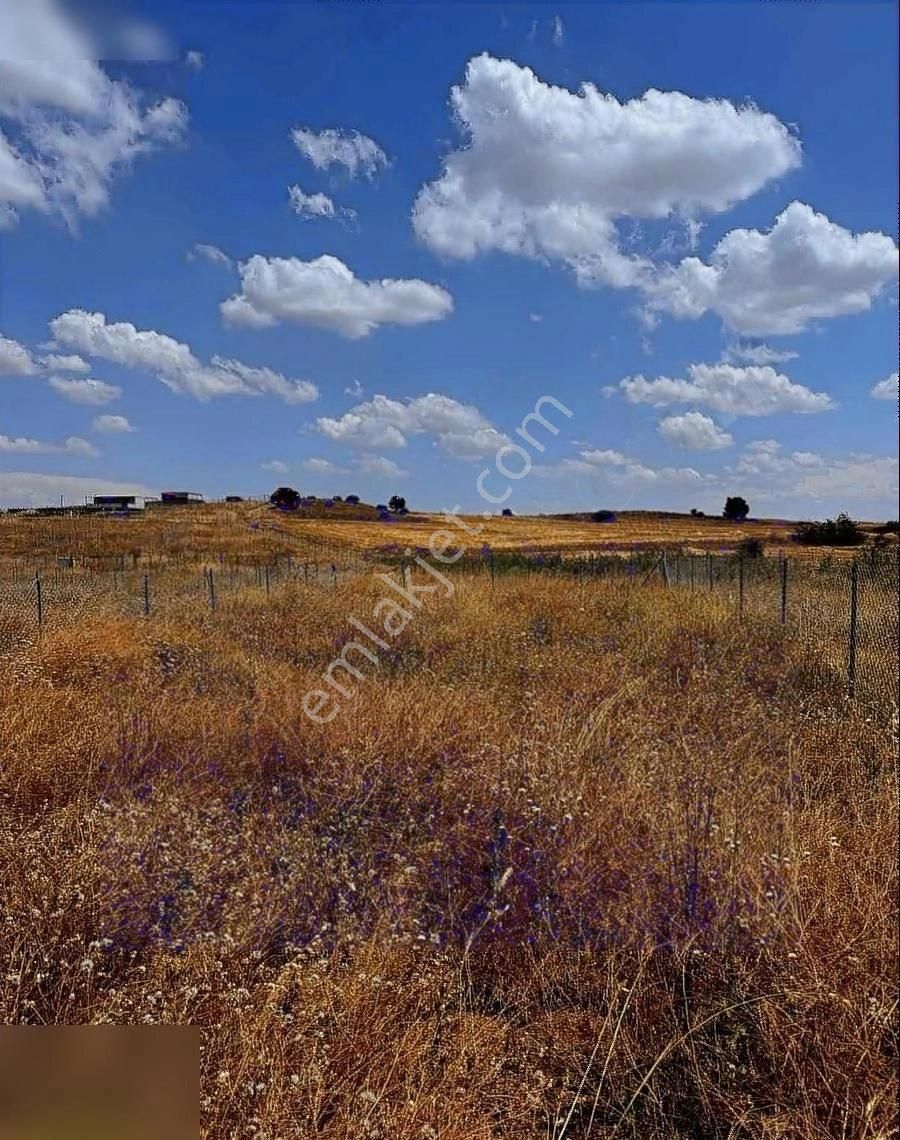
<point x="506" y="512"/>
<point x="736" y="508"/>
<point x="397" y="503"/>
<point x="842" y="531"/>
<point x="285" y="498"/>
<point x="697" y="514"/>
<point x="352" y="500"/>
<point x="603" y="516"/>
<point x="751" y="548"/>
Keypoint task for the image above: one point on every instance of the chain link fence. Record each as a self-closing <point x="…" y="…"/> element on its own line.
<point x="845" y="611"/>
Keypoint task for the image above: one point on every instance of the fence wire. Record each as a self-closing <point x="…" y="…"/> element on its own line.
<point x="845" y="612"/>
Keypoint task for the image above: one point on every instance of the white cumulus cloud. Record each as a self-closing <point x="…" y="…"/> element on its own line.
<point x="325" y="293"/>
<point x="804" y="268"/>
<point x="113" y="425"/>
<point x="85" y="391"/>
<point x="210" y="253"/>
<point x="15" y="359"/>
<point x="67" y="128"/>
<point x="56" y="363"/>
<point x="886" y="389"/>
<point x="172" y="361"/>
<point x="313" y="205"/>
<point x="23" y="445"/>
<point x="357" y="153"/>
<point x="754" y="390"/>
<point x="382" y="422"/>
<point x="694" y="431"/>
<point x="546" y="173"/>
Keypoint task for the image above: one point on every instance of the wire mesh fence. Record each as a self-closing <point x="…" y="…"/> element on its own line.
<point x="844" y="611"/>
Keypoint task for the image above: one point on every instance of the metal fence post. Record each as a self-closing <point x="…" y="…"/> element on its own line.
<point x="665" y="569"/>
<point x="212" y="589"/>
<point x="709" y="570"/>
<point x="146" y="595"/>
<point x="39" y="598"/>
<point x="854" y="622"/>
<point x="267" y="580"/>
<point x="740" y="584"/>
<point x="784" y="588"/>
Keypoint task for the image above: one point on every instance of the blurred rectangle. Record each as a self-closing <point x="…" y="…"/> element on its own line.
<point x="99" y="1082"/>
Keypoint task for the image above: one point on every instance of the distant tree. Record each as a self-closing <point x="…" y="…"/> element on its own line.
<point x="603" y="516"/>
<point x="352" y="500"/>
<point x="506" y="512"/>
<point x="736" y="508"/>
<point x="842" y="531"/>
<point x="698" y="514"/>
<point x="397" y="503"/>
<point x="337" y="498"/>
<point x="382" y="508"/>
<point x="285" y="498"/>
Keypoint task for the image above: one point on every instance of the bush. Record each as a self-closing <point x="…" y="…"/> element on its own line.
<point x="285" y="498"/>
<point x="698" y="514"/>
<point x="891" y="527"/>
<point x="603" y="516"/>
<point x="736" y="508"/>
<point x="506" y="512"/>
<point x="842" y="531"/>
<point x="397" y="503"/>
<point x="352" y="500"/>
<point x="751" y="548"/>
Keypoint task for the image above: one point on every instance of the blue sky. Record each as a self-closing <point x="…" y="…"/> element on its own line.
<point x="677" y="220"/>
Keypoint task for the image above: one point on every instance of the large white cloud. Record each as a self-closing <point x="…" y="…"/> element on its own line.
<point x="325" y="293"/>
<point x="16" y="359"/>
<point x="68" y="128"/>
<point x="886" y="389"/>
<point x="544" y="172"/>
<point x="459" y="429"/>
<point x="694" y="431"/>
<point x="777" y="282"/>
<point x="357" y="153"/>
<point x="171" y="360"/>
<point x="756" y="390"/>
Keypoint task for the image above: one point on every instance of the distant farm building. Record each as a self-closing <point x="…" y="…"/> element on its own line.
<point x="115" y="502"/>
<point x="180" y="498"/>
<point x="234" y="498"/>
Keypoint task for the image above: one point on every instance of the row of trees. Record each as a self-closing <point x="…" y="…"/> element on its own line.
<point x="289" y="499"/>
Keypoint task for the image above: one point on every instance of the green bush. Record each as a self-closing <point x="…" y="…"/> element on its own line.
<point x="842" y="531"/>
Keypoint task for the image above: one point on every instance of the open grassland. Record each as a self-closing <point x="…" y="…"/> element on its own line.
<point x="576" y="858"/>
<point x="254" y="531"/>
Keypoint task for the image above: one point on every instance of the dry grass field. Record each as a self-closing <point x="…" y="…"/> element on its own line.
<point x="575" y="858"/>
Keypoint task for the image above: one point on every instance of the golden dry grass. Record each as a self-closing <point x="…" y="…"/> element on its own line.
<point x="578" y="859"/>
